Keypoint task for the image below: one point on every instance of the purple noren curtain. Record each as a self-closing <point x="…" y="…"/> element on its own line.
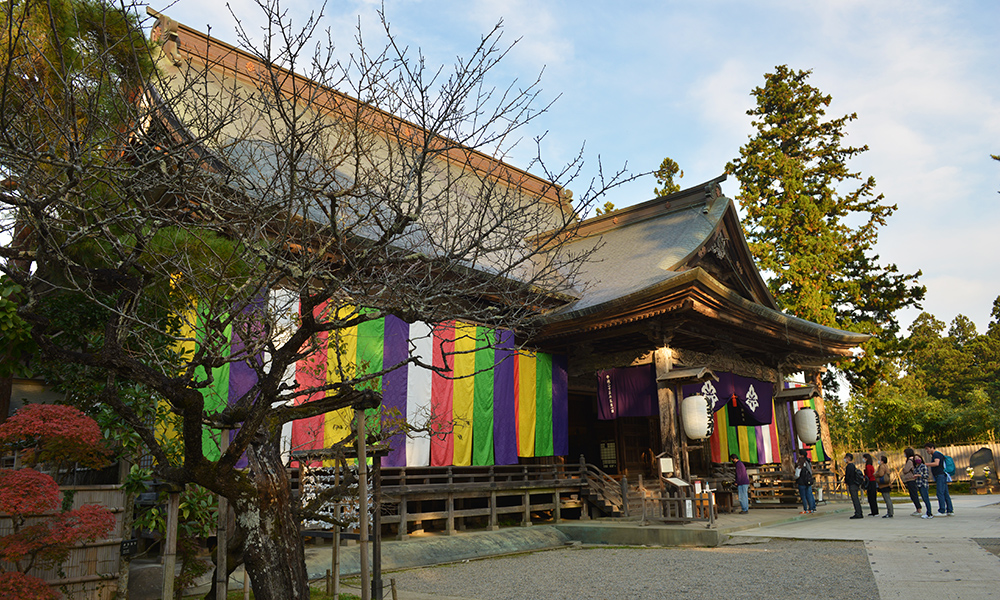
<point x="627" y="392"/>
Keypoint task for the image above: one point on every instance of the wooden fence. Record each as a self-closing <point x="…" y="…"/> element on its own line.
<point x="91" y="571"/>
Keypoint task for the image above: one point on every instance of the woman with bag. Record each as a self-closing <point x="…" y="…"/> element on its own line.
<point x="804" y="479"/>
<point x="883" y="476"/>
<point x="910" y="480"/>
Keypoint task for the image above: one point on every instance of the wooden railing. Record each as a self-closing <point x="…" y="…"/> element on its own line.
<point x="605" y="489"/>
<point x="455" y="494"/>
<point x="448" y="497"/>
<point x="664" y="504"/>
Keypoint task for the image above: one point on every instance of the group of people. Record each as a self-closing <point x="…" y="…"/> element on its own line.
<point x="915" y="477"/>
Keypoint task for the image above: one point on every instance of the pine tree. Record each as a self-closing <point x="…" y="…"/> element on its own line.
<point x="665" y="177"/>
<point x="812" y="222"/>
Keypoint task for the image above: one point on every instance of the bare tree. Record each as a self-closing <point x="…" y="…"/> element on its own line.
<point x="236" y="191"/>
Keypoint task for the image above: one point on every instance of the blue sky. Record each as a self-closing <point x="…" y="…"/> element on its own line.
<point x="637" y="81"/>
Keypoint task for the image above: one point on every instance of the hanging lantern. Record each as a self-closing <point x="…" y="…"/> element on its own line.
<point x="697" y="417"/>
<point x="807" y="426"/>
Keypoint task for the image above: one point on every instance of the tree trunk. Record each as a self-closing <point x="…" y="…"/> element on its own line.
<point x="273" y="554"/>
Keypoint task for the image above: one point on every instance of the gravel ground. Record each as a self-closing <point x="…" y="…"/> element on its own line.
<point x="783" y="569"/>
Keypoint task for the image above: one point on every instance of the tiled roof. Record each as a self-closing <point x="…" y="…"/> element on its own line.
<point x="647" y="248"/>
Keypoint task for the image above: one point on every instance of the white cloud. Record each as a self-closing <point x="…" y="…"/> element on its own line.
<point x="542" y="40"/>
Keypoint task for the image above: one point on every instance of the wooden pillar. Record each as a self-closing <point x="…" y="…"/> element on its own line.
<point x="815" y="378"/>
<point x="526" y="517"/>
<point x="668" y="403"/>
<point x="335" y="555"/>
<point x="377" y="528"/>
<point x="170" y="549"/>
<point x="449" y="526"/>
<point x="359" y="416"/>
<point x="401" y="532"/>
<point x="785" y="444"/>
<point x="557" y="511"/>
<point x="221" y="537"/>
<point x="494" y="521"/>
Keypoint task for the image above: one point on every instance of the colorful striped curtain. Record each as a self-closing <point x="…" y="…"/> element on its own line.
<point x="489" y="404"/>
<point x="229" y="382"/>
<point x="753" y="444"/>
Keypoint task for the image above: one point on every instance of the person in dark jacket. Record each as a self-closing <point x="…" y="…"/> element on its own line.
<point x="936" y="464"/>
<point x="850" y="479"/>
<point x="742" y="483"/>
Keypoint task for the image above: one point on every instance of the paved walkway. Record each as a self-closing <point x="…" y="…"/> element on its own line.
<point x="912" y="557"/>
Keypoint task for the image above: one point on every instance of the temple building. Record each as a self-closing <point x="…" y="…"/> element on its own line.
<point x="669" y="305"/>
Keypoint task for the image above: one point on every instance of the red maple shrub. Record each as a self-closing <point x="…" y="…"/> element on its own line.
<point x="14" y="584"/>
<point x="43" y="534"/>
<point x="55" y="434"/>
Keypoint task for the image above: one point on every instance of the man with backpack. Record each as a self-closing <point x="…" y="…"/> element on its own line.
<point x="937" y="465"/>
<point x="855" y="481"/>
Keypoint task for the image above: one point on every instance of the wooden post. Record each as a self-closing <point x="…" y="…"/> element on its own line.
<point x="338" y="511"/>
<point x="363" y="505"/>
<point x="170" y="550"/>
<point x="667" y="400"/>
<point x="625" y="495"/>
<point x="449" y="525"/>
<point x="246" y="584"/>
<point x="584" y="489"/>
<point x="335" y="551"/>
<point x="526" y="517"/>
<point x="494" y="522"/>
<point x="557" y="511"/>
<point x="816" y="378"/>
<point x="377" y="529"/>
<point x="401" y="533"/>
<point x="128" y="516"/>
<point x="221" y="535"/>
<point x="785" y="443"/>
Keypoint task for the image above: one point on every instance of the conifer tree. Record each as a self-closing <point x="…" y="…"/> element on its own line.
<point x="812" y="222"/>
<point x="665" y="177"/>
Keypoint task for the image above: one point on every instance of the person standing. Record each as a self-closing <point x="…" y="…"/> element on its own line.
<point x="851" y="475"/>
<point x="936" y="463"/>
<point x="872" y="487"/>
<point x="883" y="477"/>
<point x="742" y="483"/>
<point x="804" y="479"/>
<point x="910" y="480"/>
<point x="920" y="476"/>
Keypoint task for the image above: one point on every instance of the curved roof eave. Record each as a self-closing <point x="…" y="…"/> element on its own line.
<point x="698" y="276"/>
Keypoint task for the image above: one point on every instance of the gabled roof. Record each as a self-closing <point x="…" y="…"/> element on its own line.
<point x="678" y="267"/>
<point x="641" y="247"/>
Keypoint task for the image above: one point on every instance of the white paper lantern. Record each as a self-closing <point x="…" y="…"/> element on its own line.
<point x="697" y="417"/>
<point x="807" y="426"/>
